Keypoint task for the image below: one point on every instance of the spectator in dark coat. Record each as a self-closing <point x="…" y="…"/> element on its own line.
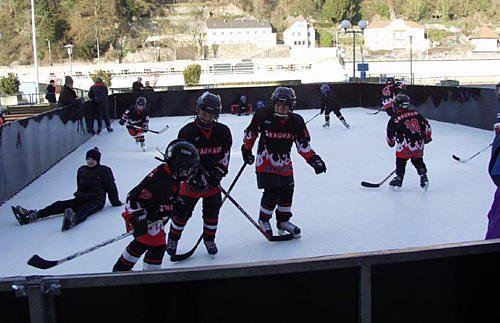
<point x="68" y="96"/>
<point x="94" y="181"/>
<point x="147" y="87"/>
<point x="99" y="95"/>
<point x="137" y="85"/>
<point x="51" y="94"/>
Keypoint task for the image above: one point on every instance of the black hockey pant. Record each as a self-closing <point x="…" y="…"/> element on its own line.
<point x="210" y="210"/>
<point x="418" y="162"/>
<point x="152" y="260"/>
<point x="335" y="111"/>
<point x="83" y="209"/>
<point x="278" y="193"/>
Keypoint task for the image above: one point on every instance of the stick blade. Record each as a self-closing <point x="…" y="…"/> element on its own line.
<point x="38" y="262"/>
<point x="457" y="158"/>
<point x="285" y="237"/>
<point x="372" y="185"/>
<point x="163" y="130"/>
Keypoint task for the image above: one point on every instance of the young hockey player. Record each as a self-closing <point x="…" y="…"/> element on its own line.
<point x="213" y="141"/>
<point x="94" y="181"/>
<point x="330" y="103"/>
<point x="392" y="88"/>
<point x="279" y="128"/>
<point x="243" y="105"/>
<point x="153" y="200"/>
<point x="409" y="131"/>
<point x="137" y="119"/>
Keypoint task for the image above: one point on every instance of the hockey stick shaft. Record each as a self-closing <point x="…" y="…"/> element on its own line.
<point x="367" y="184"/>
<point x="466" y="160"/>
<point x="188" y="254"/>
<point x="285" y="237"/>
<point x="149" y="130"/>
<point x="376" y="112"/>
<point x="317" y="114"/>
<point x="39" y="262"/>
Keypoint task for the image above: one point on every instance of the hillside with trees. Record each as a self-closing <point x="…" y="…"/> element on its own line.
<point x="125" y="26"/>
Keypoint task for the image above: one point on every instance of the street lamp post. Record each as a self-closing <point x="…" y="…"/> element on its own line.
<point x="69" y="47"/>
<point x="346" y="24"/>
<point x="50" y="53"/>
<point x="411" y="60"/>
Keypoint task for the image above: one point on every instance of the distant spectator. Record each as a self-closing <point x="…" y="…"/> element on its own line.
<point x="147" y="87"/>
<point x="93" y="181"/>
<point x="50" y="94"/>
<point x="2" y="120"/>
<point x="99" y="94"/>
<point x="137" y="85"/>
<point x="68" y="96"/>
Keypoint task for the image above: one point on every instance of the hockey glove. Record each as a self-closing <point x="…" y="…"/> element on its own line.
<point x="145" y="127"/>
<point x="140" y="224"/>
<point x="318" y="164"/>
<point x="197" y="181"/>
<point x="179" y="205"/>
<point x="248" y="157"/>
<point x="216" y="175"/>
<point x="122" y="122"/>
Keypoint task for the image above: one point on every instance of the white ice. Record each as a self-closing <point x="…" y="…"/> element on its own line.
<point x="336" y="214"/>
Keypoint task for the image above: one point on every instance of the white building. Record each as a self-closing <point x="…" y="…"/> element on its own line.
<point x="484" y="40"/>
<point x="396" y="34"/>
<point x="299" y="35"/>
<point x="227" y="32"/>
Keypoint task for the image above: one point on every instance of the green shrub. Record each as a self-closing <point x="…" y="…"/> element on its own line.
<point x="9" y="85"/>
<point x="192" y="74"/>
<point x="105" y="75"/>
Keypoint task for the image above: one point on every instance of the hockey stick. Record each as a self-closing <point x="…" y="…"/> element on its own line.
<point x="376" y="112"/>
<point x="149" y="130"/>
<point x="39" y="262"/>
<point x="188" y="254"/>
<point x="466" y="160"/>
<point x="366" y="184"/>
<point x="313" y="117"/>
<point x="285" y="237"/>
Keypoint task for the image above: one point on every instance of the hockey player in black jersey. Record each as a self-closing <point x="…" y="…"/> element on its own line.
<point x="279" y="128"/>
<point x="137" y="119"/>
<point x="330" y="103"/>
<point x="389" y="92"/>
<point x="213" y="141"/>
<point x="154" y="199"/>
<point x="409" y="131"/>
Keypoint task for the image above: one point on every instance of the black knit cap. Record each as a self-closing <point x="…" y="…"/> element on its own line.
<point x="95" y="154"/>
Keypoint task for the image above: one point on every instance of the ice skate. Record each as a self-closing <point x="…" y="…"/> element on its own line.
<point x="69" y="220"/>
<point x="109" y="129"/>
<point x="288" y="227"/>
<point x="143" y="146"/>
<point x="266" y="227"/>
<point x="424" y="182"/>
<point x="99" y="130"/>
<point x="396" y="183"/>
<point x="172" y="247"/>
<point x="326" y="124"/>
<point x="23" y="216"/>
<point x="346" y="124"/>
<point x="211" y="248"/>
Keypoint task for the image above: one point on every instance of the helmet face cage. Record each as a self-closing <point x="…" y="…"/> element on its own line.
<point x="285" y="95"/>
<point x="325" y="88"/>
<point x="402" y="101"/>
<point x="210" y="103"/>
<point x="141" y="101"/>
<point x="182" y="158"/>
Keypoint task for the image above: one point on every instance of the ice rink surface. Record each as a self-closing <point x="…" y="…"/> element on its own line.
<point x="336" y="214"/>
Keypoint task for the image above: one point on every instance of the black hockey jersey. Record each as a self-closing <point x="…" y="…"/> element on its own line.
<point x="136" y="117"/>
<point x="329" y="102"/>
<point x="409" y="131"/>
<point x="275" y="143"/>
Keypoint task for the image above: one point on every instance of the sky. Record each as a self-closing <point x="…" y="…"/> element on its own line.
<point x="336" y="214"/>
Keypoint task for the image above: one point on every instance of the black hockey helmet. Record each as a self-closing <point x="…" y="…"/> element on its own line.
<point x="182" y="158"/>
<point x="401" y="101"/>
<point x="285" y="95"/>
<point x="141" y="101"/>
<point x="389" y="80"/>
<point x="209" y="102"/>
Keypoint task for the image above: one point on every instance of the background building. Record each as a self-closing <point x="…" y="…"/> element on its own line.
<point x="299" y="35"/>
<point x="394" y="35"/>
<point x="484" y="40"/>
<point x="224" y="32"/>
